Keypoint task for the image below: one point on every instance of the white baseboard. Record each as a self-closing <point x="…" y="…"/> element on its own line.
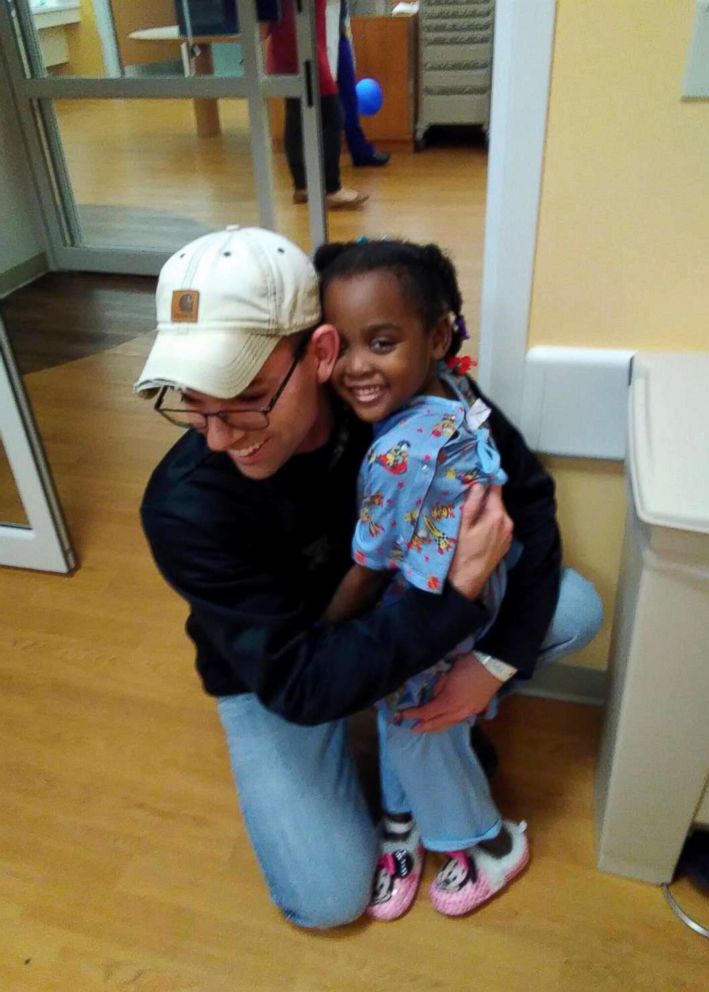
<point x="575" y="401"/>
<point x="572" y="683"/>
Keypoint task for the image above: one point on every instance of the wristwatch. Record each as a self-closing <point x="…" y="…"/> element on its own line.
<point x="499" y="669"/>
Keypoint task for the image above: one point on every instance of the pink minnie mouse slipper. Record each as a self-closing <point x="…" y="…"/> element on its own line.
<point x="469" y="878"/>
<point x="396" y="881"/>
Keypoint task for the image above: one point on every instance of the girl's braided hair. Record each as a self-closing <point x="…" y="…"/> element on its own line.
<point x="426" y="275"/>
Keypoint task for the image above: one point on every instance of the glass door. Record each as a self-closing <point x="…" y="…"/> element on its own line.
<point x="147" y="124"/>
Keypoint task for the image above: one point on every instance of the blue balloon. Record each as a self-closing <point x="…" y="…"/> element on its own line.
<point x="369" y="97"/>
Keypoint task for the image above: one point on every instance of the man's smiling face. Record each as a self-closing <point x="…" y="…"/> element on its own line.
<point x="299" y="422"/>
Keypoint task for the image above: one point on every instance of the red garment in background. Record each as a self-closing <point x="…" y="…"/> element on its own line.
<point x="281" y="54"/>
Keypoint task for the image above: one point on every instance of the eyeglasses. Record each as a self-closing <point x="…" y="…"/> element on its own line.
<point x="242" y="420"/>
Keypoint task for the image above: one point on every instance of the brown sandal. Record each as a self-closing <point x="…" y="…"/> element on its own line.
<point x="346" y="199"/>
<point x="343" y="199"/>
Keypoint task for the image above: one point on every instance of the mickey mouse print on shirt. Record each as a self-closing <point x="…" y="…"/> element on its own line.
<point x="413" y="483"/>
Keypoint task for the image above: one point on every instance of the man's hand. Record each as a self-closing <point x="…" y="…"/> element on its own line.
<point x="464" y="691"/>
<point x="483" y="540"/>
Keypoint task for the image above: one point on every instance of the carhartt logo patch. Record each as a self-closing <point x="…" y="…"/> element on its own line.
<point x="185" y="306"/>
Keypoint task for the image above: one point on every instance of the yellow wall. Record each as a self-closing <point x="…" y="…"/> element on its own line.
<point x="624" y="223"/>
<point x="591" y="500"/>
<point x="623" y="246"/>
<point x="85" y="52"/>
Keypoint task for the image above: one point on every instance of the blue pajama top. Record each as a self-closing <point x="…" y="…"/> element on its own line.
<point x="413" y="483"/>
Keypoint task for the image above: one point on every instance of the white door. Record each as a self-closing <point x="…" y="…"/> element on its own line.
<point x="32" y="529"/>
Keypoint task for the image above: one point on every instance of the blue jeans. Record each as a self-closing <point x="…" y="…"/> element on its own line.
<point x="359" y="148"/>
<point x="301" y="798"/>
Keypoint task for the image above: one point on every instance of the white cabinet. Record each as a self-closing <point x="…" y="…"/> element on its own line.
<point x="51" y="18"/>
<point x="455" y="63"/>
<point x="655" y="749"/>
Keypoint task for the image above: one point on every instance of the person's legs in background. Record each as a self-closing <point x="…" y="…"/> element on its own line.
<point x="362" y="152"/>
<point x="331" y="114"/>
<point x="304" y="811"/>
<point x="293" y="142"/>
<point x="332" y="141"/>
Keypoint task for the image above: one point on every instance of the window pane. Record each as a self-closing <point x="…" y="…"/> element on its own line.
<point x="113" y="38"/>
<point x="142" y="176"/>
<point x="98" y="37"/>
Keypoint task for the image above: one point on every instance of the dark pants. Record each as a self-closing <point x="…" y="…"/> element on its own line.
<point x="331" y="136"/>
<point x="359" y="148"/>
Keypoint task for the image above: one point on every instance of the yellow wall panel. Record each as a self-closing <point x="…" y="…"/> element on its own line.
<point x="624" y="222"/>
<point x="623" y="244"/>
<point x="591" y="500"/>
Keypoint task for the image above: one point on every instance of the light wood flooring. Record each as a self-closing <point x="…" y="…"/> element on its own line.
<point x="124" y="864"/>
<point x="143" y="178"/>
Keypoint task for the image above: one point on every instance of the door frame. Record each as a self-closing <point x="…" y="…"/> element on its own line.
<point x="521" y="75"/>
<point x="43" y="543"/>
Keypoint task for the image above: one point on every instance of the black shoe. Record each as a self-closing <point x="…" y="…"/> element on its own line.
<point x="376" y="158"/>
<point x="484" y="749"/>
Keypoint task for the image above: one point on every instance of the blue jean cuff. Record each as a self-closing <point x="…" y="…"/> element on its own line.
<point x="457" y="844"/>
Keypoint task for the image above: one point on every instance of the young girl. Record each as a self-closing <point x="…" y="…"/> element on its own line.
<point x="397" y="308"/>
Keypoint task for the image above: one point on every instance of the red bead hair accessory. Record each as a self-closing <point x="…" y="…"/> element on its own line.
<point x="461" y="364"/>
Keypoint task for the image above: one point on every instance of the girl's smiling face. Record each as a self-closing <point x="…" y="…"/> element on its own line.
<point x="387" y="356"/>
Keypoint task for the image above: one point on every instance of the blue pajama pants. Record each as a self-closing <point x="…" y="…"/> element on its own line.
<point x="359" y="148"/>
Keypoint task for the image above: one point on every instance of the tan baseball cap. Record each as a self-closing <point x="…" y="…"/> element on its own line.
<point x="223" y="303"/>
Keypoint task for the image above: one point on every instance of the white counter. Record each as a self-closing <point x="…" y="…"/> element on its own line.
<point x="51" y="18"/>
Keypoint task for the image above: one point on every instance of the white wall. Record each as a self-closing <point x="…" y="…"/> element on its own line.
<point x="20" y="231"/>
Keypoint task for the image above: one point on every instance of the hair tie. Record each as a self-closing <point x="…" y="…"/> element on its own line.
<point x="460" y="328"/>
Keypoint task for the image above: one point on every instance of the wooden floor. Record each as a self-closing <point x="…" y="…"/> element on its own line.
<point x="124" y="863"/>
<point x="68" y="315"/>
<point x="143" y="178"/>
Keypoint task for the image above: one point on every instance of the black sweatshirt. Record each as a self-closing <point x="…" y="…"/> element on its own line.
<point x="258" y="561"/>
